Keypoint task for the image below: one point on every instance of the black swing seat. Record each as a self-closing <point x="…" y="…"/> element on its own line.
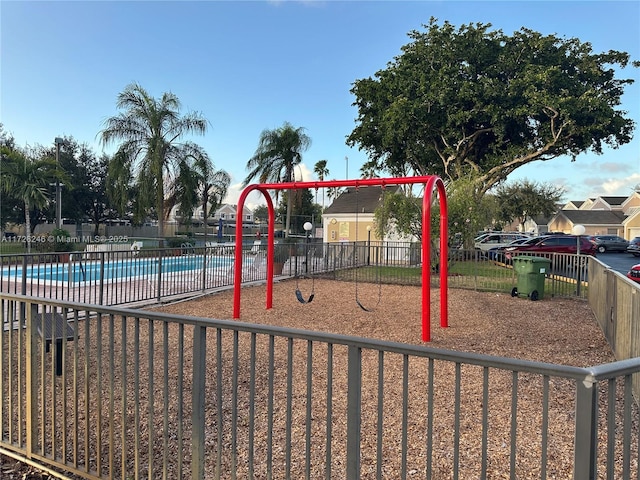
<point x="362" y="306"/>
<point x="301" y="298"/>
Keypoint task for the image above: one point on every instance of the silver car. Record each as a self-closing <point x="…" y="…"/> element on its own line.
<point x="634" y="247"/>
<point x="609" y="243"/>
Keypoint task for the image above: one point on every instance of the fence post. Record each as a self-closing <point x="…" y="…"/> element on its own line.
<point x="24" y="275"/>
<point x="354" y="407"/>
<point x="198" y="401"/>
<point x="584" y="460"/>
<point x="31" y="386"/>
<point x="101" y="291"/>
<point x="23" y="287"/>
<point x="159" y="284"/>
<point x="204" y="268"/>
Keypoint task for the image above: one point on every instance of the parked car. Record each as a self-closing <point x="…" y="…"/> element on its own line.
<point x="553" y="244"/>
<point x="497" y="253"/>
<point x="634" y="273"/>
<point x="634" y="246"/>
<point x="498" y="239"/>
<point x="609" y="243"/>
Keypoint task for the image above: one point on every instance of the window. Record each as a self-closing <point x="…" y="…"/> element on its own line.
<point x="550" y="242"/>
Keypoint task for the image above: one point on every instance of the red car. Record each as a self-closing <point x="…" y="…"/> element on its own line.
<point x="553" y="244"/>
<point x="634" y="273"/>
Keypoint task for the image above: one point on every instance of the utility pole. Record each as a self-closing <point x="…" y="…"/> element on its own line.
<point x="346" y="159"/>
<point x="58" y="141"/>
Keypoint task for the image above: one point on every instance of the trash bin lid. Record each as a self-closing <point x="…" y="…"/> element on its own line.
<point x="531" y="259"/>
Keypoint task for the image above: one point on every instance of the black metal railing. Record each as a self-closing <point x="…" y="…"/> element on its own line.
<point x="120" y="277"/>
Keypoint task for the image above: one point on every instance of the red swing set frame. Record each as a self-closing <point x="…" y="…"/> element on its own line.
<point x="430" y="182"/>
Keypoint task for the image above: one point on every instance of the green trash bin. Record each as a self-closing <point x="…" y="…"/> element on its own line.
<point x="530" y="272"/>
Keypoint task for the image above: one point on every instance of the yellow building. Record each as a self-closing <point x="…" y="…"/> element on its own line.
<point x="351" y="216"/>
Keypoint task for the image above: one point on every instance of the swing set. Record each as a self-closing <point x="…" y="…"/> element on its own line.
<point x="430" y="182"/>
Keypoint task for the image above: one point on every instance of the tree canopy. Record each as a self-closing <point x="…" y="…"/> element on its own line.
<point x="152" y="150"/>
<point x="199" y="183"/>
<point x="522" y="199"/>
<point x="321" y="170"/>
<point x="402" y="213"/>
<point x="475" y="102"/>
<point x="26" y="180"/>
<point x="278" y="152"/>
<point x="304" y="206"/>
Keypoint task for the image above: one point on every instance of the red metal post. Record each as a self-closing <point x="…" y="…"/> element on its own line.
<point x="270" y="247"/>
<point x="426" y="265"/>
<point x="444" y="254"/>
<point x="434" y="182"/>
<point x="237" y="265"/>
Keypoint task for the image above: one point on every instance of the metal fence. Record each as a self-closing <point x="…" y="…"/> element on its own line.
<point x="125" y="276"/>
<point x="154" y="275"/>
<point x="400" y="263"/>
<point x="134" y="394"/>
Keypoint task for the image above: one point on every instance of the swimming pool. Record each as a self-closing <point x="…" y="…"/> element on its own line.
<point x="83" y="271"/>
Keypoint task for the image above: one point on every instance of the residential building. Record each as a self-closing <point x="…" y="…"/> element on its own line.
<point x="226" y="212"/>
<point x="605" y="215"/>
<point x="351" y="216"/>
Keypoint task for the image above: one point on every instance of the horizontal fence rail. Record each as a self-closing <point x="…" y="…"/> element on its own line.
<point x="120" y="277"/>
<point x="122" y="393"/>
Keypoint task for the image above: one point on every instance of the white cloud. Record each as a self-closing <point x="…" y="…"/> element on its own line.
<point x="614" y="167"/>
<point x="621" y="186"/>
<point x="252" y="201"/>
<point x="302" y="174"/>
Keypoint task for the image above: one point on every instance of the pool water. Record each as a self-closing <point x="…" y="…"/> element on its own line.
<point x="113" y="270"/>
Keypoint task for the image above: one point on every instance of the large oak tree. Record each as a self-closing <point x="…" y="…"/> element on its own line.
<point x="474" y="102"/>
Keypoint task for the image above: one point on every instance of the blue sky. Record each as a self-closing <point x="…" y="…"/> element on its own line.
<point x="249" y="66"/>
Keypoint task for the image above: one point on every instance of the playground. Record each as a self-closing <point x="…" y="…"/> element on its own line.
<point x="454" y="414"/>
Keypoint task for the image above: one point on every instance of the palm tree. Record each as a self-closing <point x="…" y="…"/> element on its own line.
<point x="214" y="185"/>
<point x="278" y="152"/>
<point x="333" y="192"/>
<point x="321" y="170"/>
<point x="27" y="180"/>
<point x="151" y="131"/>
<point x="198" y="182"/>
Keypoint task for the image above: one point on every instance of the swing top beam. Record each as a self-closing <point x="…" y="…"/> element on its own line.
<point x="361" y="182"/>
<point x="430" y="182"/>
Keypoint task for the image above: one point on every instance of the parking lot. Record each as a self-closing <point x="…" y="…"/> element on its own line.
<point x="620" y="262"/>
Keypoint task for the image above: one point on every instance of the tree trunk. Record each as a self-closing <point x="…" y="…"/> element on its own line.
<point x="205" y="214"/>
<point x="160" y="206"/>
<point x="288" y="220"/>
<point x="27" y="226"/>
